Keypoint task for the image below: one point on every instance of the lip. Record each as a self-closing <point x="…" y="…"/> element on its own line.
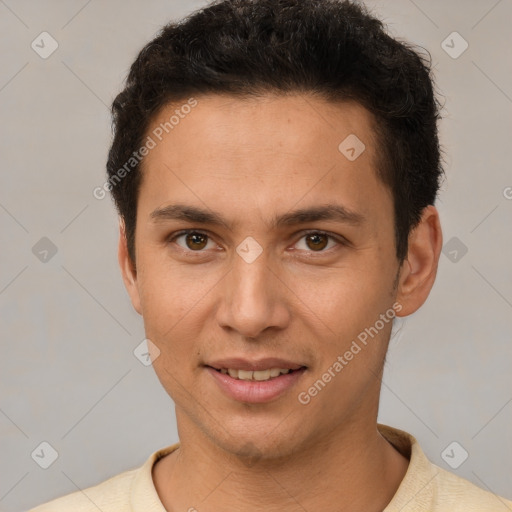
<point x="256" y="391"/>
<point x="238" y="363"/>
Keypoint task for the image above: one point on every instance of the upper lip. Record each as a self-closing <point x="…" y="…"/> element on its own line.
<point x="238" y="363"/>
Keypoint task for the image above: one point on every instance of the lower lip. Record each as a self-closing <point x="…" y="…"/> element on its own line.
<point x="254" y="391"/>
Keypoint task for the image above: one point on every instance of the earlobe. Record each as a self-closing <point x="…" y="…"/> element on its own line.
<point x="419" y="269"/>
<point x="128" y="271"/>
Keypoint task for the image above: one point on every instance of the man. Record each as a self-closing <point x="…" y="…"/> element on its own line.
<point x="275" y="166"/>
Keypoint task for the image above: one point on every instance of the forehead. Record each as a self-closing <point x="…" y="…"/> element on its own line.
<point x="267" y="151"/>
<point x="302" y="125"/>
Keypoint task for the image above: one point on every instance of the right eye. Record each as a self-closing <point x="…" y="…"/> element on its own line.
<point x="194" y="241"/>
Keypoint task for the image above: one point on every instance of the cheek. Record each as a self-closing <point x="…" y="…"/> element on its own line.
<point x="345" y="301"/>
<point x="176" y="364"/>
<point x="173" y="300"/>
<point x="170" y="292"/>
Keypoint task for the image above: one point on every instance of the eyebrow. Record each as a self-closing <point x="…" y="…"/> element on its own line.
<point x="193" y="214"/>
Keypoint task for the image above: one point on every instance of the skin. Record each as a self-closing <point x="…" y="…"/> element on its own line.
<point x="250" y="160"/>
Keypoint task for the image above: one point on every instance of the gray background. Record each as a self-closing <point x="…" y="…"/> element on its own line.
<point x="68" y="373"/>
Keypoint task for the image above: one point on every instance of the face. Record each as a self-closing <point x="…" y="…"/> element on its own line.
<point x="239" y="257"/>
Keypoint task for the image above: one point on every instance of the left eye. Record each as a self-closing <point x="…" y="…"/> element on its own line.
<point x="315" y="241"/>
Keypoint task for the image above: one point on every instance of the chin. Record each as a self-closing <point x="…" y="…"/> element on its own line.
<point x="251" y="448"/>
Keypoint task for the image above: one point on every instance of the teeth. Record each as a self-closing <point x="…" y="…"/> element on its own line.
<point x="261" y="375"/>
<point x="254" y="375"/>
<point x="245" y="375"/>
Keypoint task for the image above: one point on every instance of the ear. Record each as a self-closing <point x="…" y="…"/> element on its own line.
<point x="128" y="269"/>
<point x="419" y="269"/>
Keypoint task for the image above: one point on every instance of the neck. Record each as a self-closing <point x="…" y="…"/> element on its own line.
<point x="354" y="469"/>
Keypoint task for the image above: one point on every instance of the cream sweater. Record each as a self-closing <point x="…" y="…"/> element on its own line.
<point x="425" y="488"/>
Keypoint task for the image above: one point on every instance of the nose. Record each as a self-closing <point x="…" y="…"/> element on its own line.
<point x="254" y="298"/>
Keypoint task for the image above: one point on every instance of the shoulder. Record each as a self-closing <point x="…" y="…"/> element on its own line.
<point x="112" y="495"/>
<point x="430" y="488"/>
<point x="131" y="490"/>
<point x="454" y="493"/>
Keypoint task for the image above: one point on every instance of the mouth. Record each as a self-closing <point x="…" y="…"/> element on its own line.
<point x="256" y="386"/>
<point x="256" y="375"/>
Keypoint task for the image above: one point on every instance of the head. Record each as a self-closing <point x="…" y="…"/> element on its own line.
<point x="300" y="133"/>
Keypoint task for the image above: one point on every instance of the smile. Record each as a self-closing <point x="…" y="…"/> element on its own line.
<point x="259" y="375"/>
<point x="256" y="386"/>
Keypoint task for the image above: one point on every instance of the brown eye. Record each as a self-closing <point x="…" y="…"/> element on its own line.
<point x="193" y="241"/>
<point x="317" y="241"/>
<point x="196" y="241"/>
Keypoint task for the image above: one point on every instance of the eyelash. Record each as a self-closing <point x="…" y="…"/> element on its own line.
<point x="341" y="241"/>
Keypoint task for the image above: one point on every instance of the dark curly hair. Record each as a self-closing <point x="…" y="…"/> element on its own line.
<point x="330" y="48"/>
